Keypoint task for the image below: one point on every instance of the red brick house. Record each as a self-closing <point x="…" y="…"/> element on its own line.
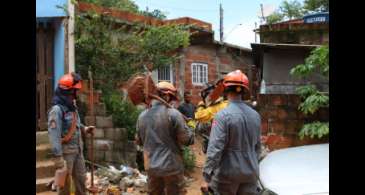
<point x="205" y="60"/>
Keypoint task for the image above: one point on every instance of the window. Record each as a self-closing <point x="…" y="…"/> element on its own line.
<point x="165" y="74"/>
<point x="199" y="73"/>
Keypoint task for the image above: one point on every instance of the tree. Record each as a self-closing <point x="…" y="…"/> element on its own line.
<point x="274" y="17"/>
<point x="316" y="6"/>
<point x="155" y="13"/>
<point x="312" y="98"/>
<point x="286" y="11"/>
<point x="114" y="51"/>
<point x="291" y="10"/>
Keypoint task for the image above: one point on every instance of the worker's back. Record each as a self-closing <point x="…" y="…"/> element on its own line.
<point x="161" y="131"/>
<point x="241" y="126"/>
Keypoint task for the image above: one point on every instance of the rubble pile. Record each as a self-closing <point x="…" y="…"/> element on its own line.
<point x="113" y="181"/>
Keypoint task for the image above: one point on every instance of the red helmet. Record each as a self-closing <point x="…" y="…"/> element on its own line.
<point x="70" y="81"/>
<point x="167" y="88"/>
<point x="236" y="78"/>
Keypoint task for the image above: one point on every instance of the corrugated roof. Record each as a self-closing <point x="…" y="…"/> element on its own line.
<point x="233" y="46"/>
<point x="283" y="45"/>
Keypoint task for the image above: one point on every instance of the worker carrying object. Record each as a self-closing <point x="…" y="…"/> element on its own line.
<point x="162" y="132"/>
<point x="65" y="131"/>
<point x="231" y="165"/>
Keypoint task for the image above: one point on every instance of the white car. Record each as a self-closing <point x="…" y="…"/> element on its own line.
<point x="300" y="170"/>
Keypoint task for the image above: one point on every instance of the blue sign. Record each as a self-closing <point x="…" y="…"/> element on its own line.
<point x="316" y="18"/>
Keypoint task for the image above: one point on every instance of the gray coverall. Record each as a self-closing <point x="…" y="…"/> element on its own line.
<point x="59" y="121"/>
<point x="231" y="167"/>
<point x="162" y="131"/>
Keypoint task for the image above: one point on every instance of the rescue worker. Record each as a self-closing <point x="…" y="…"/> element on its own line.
<point x="205" y="114"/>
<point x="187" y="108"/>
<point x="162" y="132"/>
<point x="65" y="133"/>
<point x="231" y="166"/>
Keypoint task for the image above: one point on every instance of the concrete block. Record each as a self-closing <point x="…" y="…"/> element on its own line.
<point x="109" y="133"/>
<point x="118" y="146"/>
<point x="104" y="122"/>
<point x="98" y="134"/>
<point x="130" y="146"/>
<point x="103" y="144"/>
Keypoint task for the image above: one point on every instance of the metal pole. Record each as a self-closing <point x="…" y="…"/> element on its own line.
<point x="91" y="106"/>
<point x="221" y="22"/>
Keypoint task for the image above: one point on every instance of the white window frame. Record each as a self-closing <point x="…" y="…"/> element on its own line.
<point x="171" y="80"/>
<point x="199" y="78"/>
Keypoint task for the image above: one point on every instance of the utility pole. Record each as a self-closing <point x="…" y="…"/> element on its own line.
<point x="255" y="32"/>
<point x="221" y="23"/>
<point x="262" y="13"/>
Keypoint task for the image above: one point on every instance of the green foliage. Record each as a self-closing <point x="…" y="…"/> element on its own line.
<point x="313" y="102"/>
<point x="155" y="14"/>
<point x="313" y="99"/>
<point x="188" y="158"/>
<point x="318" y="60"/>
<point x="316" y="5"/>
<point x="306" y="91"/>
<point x="291" y="10"/>
<point x="124" y="113"/>
<point x="315" y="129"/>
<point x="274" y="17"/>
<point x="114" y="52"/>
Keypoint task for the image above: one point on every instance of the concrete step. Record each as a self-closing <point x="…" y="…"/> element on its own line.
<point x="41" y="186"/>
<point x="45" y="169"/>
<point x="42" y="137"/>
<point x="43" y="152"/>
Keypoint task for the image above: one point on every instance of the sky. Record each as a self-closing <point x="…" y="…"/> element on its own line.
<point x="239" y="16"/>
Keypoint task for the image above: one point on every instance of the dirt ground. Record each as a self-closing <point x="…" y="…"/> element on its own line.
<point x="194" y="187"/>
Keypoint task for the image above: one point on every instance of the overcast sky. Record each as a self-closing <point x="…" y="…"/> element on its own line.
<point x="239" y="15"/>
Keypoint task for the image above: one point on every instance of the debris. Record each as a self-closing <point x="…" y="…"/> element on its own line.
<point x="126" y="170"/>
<point x="130" y="190"/>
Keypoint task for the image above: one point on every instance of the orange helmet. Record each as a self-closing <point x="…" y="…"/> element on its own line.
<point x="167" y="88"/>
<point x="236" y="78"/>
<point x="70" y="81"/>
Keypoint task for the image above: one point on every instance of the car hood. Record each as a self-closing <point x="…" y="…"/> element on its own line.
<point x="300" y="170"/>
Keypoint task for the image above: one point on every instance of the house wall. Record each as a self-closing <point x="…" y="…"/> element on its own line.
<point x="309" y="34"/>
<point x="280" y="117"/>
<point x="276" y="71"/>
<point x="219" y="61"/>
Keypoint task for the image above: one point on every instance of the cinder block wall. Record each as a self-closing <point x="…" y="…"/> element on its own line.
<point x="280" y="116"/>
<point x="111" y="144"/>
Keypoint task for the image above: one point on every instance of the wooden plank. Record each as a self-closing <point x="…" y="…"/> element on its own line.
<point x="49" y="68"/>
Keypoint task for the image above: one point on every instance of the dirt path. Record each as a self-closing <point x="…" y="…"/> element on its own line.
<point x="194" y="187"/>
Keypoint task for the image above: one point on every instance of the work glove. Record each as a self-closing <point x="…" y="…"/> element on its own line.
<point x="59" y="162"/>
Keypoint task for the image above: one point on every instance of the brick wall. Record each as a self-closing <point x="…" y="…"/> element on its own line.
<point x="218" y="59"/>
<point x="281" y="119"/>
